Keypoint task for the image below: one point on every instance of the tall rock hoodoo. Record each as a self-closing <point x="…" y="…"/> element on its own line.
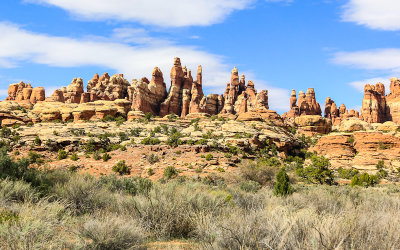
<point x="374" y="104"/>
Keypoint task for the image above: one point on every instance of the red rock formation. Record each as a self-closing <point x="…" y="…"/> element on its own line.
<point x="307" y="105"/>
<point x="393" y="101"/>
<point x="173" y="103"/>
<point x="197" y="93"/>
<point x="147" y="97"/>
<point x="24" y="93"/>
<point x="374" y="103"/>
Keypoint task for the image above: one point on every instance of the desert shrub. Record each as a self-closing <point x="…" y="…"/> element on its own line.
<point x="157" y="129"/>
<point x="133" y="186"/>
<point x="112" y="232"/>
<point x="83" y="194"/>
<point x="5" y="132"/>
<point x="10" y="168"/>
<point x="150" y="171"/>
<point x="120" y="120"/>
<point x="106" y="157"/>
<point x="282" y="185"/>
<point x="74" y="157"/>
<point x="147" y="116"/>
<point x="150" y="141"/>
<point x="174" y="139"/>
<point x="37" y="141"/>
<point x="382" y="173"/>
<point x="96" y="156"/>
<point x="365" y="180"/>
<point x="250" y="186"/>
<point x="35" y="158"/>
<point x="170" y="172"/>
<point x="108" y="118"/>
<point x="172" y="117"/>
<point x="258" y="172"/>
<point x="62" y="154"/>
<point x="73" y="168"/>
<point x="317" y="172"/>
<point x="232" y="149"/>
<point x="17" y="191"/>
<point x="209" y="157"/>
<point x="152" y="158"/>
<point x="121" y="168"/>
<point x="347" y="173"/>
<point x="350" y="140"/>
<point x="123" y="136"/>
<point x="135" y="132"/>
<point x="37" y="226"/>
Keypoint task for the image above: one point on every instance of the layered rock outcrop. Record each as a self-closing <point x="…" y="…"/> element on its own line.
<point x="23" y="93"/>
<point x="306" y="104"/>
<point x="374" y="104"/>
<point x="147" y="96"/>
<point x="337" y="115"/>
<point x="185" y="97"/>
<point x="239" y="98"/>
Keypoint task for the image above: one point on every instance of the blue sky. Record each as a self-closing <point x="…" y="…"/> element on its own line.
<point x="334" y="46"/>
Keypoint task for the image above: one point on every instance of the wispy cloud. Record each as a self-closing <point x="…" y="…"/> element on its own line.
<point x="374" y="14"/>
<point x="171" y="13"/>
<point x="359" y="85"/>
<point x="377" y="59"/>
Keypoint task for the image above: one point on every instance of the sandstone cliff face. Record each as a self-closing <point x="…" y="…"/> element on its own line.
<point x="374" y="103"/>
<point x="147" y="97"/>
<point x="393" y="101"/>
<point x="361" y="150"/>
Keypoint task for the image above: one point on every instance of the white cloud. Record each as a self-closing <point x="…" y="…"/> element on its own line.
<point x="359" y="85"/>
<point x="378" y="59"/>
<point x="375" y="14"/>
<point x="18" y="46"/>
<point x="171" y="13"/>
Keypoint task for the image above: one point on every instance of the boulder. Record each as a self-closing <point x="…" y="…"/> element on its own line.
<point x="313" y="124"/>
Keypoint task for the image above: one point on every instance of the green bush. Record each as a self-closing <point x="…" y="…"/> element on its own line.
<point x="147" y="116"/>
<point x="106" y="157"/>
<point x="347" y="173"/>
<point x="150" y="141"/>
<point x="282" y="186"/>
<point x="174" y="139"/>
<point x="170" y="172"/>
<point x="96" y="156"/>
<point x="62" y="154"/>
<point x="38" y="142"/>
<point x="152" y="158"/>
<point x="364" y="180"/>
<point x="10" y="168"/>
<point x="209" y="157"/>
<point x="133" y="186"/>
<point x="74" y="157"/>
<point x="135" y="132"/>
<point x="121" y="168"/>
<point x="35" y="158"/>
<point x="250" y="186"/>
<point x="317" y="172"/>
<point x="257" y="171"/>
